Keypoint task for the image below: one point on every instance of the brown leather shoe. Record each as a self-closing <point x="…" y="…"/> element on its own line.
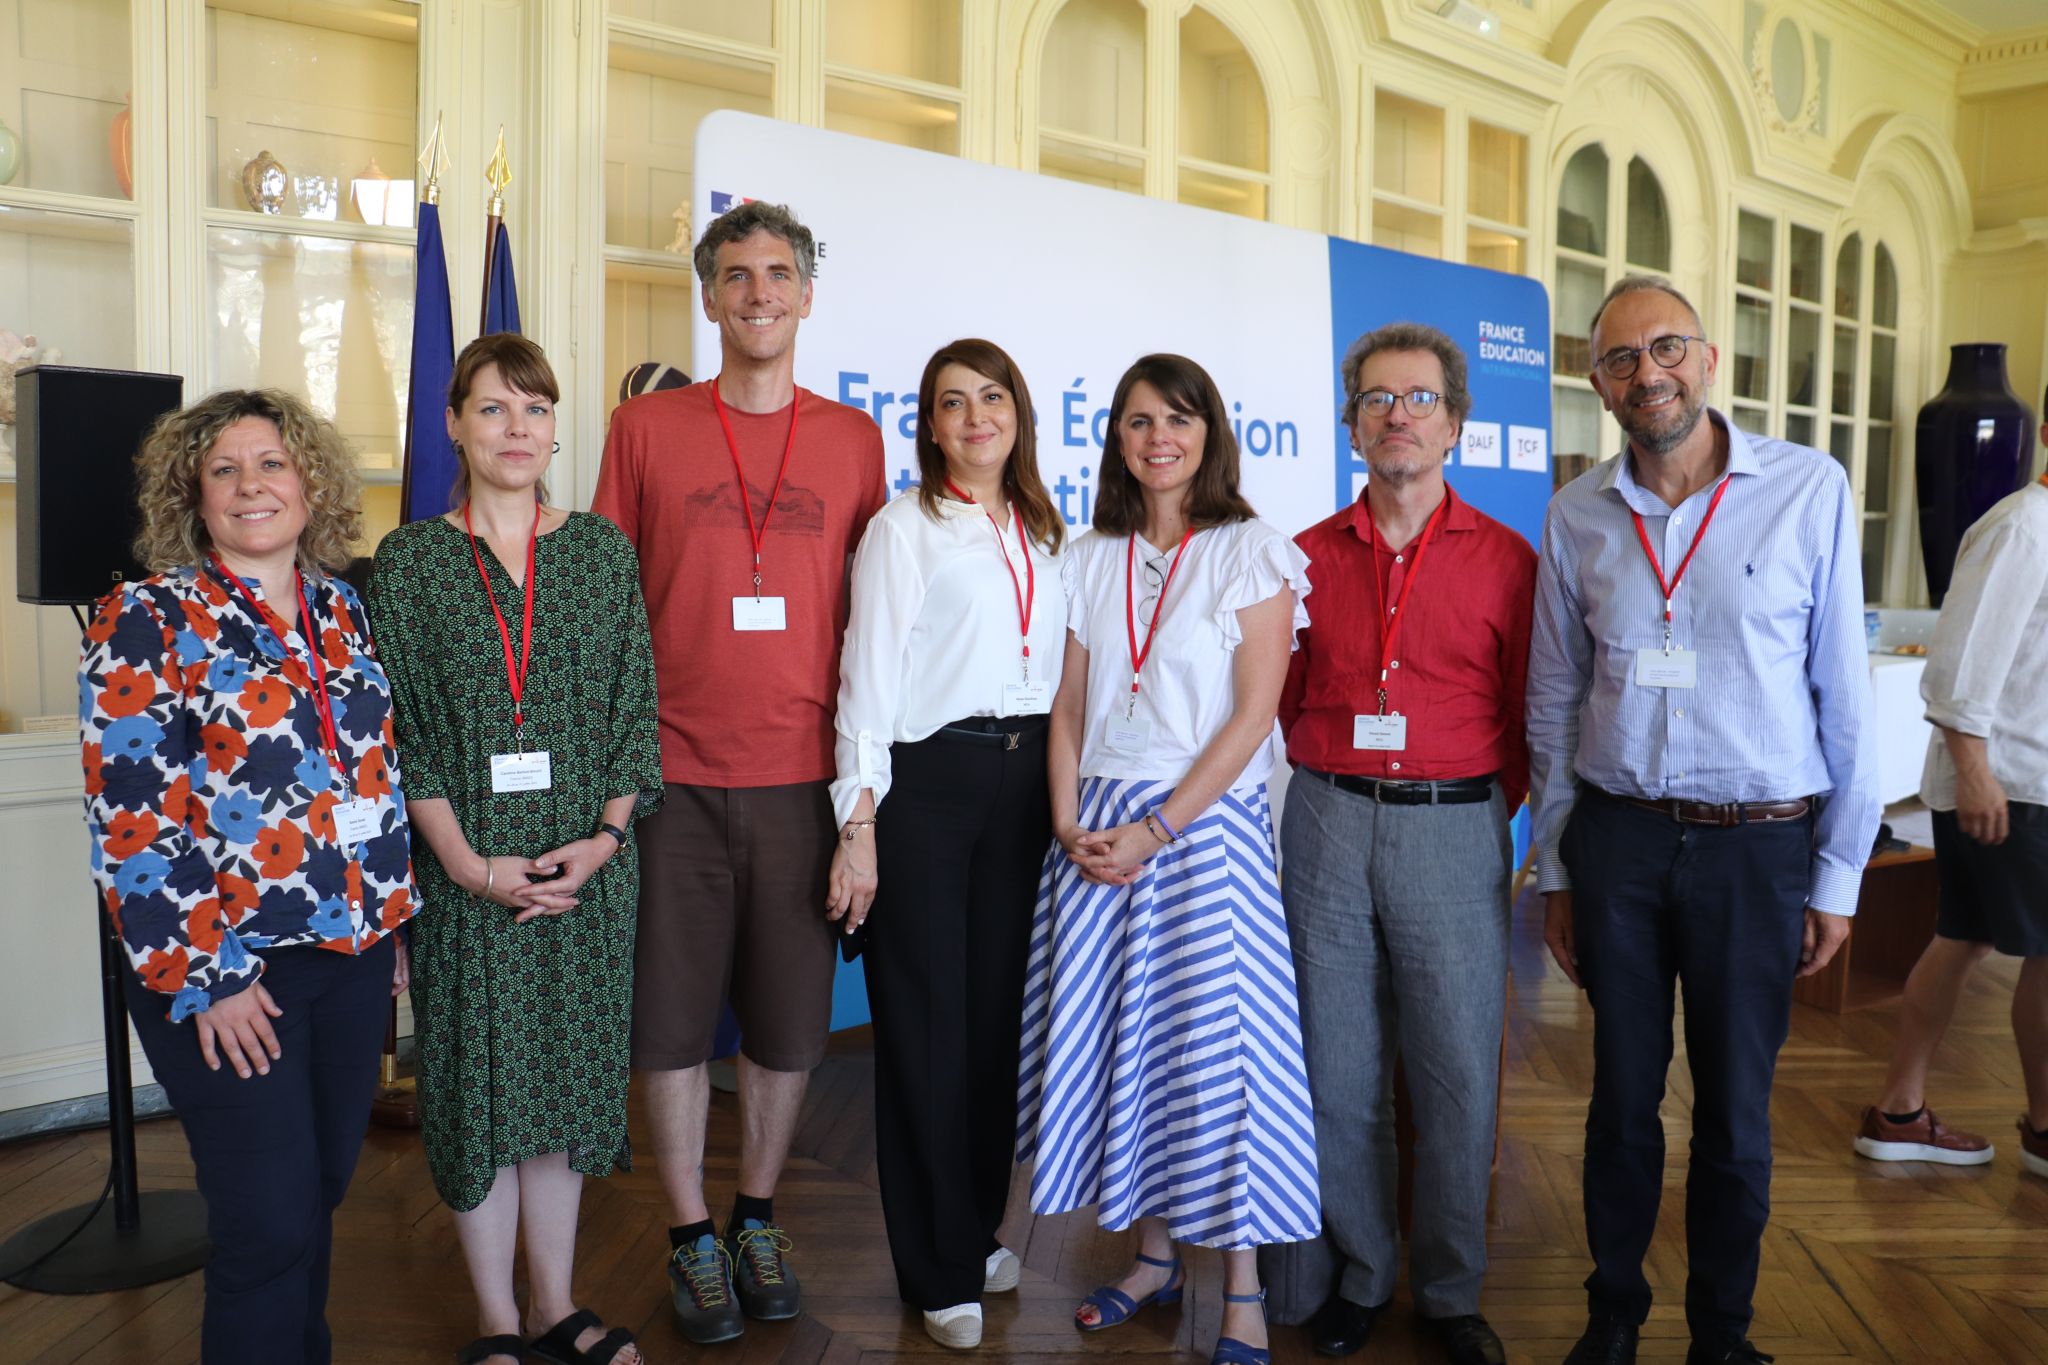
<point x="1924" y="1139"/>
<point x="2033" y="1151"/>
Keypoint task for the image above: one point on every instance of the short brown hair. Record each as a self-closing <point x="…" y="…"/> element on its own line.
<point x="1409" y="336"/>
<point x="738" y="224"/>
<point x="1020" y="472"/>
<point x="1213" y="499"/>
<point x="522" y="365"/>
<point x="167" y="471"/>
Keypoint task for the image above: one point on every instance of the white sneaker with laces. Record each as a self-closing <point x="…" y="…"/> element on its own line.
<point x="1002" y="1272"/>
<point x="958" y="1326"/>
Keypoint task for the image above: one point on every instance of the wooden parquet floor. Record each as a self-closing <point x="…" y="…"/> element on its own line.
<point x="1862" y="1262"/>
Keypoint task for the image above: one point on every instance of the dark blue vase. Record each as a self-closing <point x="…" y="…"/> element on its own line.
<point x="1971" y="450"/>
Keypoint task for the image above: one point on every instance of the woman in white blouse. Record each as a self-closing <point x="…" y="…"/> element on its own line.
<point x="951" y="657"/>
<point x="1162" y="1077"/>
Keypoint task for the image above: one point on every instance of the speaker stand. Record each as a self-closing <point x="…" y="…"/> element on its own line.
<point x="116" y="1249"/>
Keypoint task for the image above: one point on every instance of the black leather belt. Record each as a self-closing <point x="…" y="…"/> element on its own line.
<point x="1457" y="791"/>
<point x="999" y="732"/>
<point x="1723" y="814"/>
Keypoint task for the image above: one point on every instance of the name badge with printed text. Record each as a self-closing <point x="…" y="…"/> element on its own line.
<point x="355" y="821"/>
<point x="528" y="772"/>
<point x="758" y="613"/>
<point x="1679" y="668"/>
<point x="1026" y="699"/>
<point x="1379" y="732"/>
<point x="1131" y="736"/>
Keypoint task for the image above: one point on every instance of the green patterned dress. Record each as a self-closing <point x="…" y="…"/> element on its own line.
<point x="521" y="1029"/>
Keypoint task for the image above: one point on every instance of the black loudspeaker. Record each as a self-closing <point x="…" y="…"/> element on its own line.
<point x="77" y="432"/>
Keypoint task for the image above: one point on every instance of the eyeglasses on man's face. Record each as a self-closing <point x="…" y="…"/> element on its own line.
<point x="1380" y="402"/>
<point x="1668" y="351"/>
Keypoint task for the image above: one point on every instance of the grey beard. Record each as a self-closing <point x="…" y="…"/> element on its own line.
<point x="1664" y="442"/>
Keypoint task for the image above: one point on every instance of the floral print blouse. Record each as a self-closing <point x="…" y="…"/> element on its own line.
<point x="209" y="794"/>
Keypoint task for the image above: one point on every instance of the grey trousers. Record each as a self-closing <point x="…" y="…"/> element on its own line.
<point x="1399" y="921"/>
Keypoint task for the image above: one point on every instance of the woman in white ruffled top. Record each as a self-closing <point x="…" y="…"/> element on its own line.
<point x="1162" y="1078"/>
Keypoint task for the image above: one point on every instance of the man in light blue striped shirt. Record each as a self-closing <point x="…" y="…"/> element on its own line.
<point x="1703" y="781"/>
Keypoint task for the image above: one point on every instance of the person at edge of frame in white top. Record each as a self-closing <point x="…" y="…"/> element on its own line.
<point x="1986" y="781"/>
<point x="1705" y="794"/>
<point x="952" y="651"/>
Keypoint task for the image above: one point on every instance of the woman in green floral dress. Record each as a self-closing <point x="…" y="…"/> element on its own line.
<point x="516" y="641"/>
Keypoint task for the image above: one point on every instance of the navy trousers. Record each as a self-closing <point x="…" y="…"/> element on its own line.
<point x="274" y="1153"/>
<point x="1718" y="912"/>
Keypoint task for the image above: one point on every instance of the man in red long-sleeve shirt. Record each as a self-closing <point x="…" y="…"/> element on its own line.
<point x="1403" y="712"/>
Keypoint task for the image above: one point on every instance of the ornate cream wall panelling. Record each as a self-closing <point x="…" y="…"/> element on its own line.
<point x="2004" y="138"/>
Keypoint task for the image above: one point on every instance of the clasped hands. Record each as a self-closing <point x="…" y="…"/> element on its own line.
<point x="1113" y="856"/>
<point x="504" y="880"/>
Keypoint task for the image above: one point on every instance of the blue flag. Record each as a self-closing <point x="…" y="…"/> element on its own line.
<point x="501" y="296"/>
<point x="429" y="458"/>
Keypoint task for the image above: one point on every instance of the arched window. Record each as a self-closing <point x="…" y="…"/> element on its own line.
<point x="1864" y="417"/>
<point x="1604" y="230"/>
<point x="1099" y="56"/>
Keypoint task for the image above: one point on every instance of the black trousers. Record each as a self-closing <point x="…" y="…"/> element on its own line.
<point x="1720" y="912"/>
<point x="273" y="1154"/>
<point x="960" y="842"/>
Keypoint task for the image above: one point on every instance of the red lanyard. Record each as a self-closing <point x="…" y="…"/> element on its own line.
<point x="1138" y="656"/>
<point x="1392" y="629"/>
<point x="746" y="498"/>
<point x="1671" y="588"/>
<point x="317" y="669"/>
<point x="1027" y="591"/>
<point x="515" y="676"/>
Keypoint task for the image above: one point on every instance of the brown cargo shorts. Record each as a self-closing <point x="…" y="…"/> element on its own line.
<point x="732" y="904"/>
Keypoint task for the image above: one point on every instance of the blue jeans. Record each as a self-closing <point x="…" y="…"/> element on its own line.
<point x="273" y="1154"/>
<point x="1398" y="917"/>
<point x="1718" y="913"/>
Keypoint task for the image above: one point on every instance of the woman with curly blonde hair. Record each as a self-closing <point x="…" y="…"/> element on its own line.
<point x="249" y="840"/>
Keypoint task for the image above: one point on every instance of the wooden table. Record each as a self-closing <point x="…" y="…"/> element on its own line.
<point x="1894" y="923"/>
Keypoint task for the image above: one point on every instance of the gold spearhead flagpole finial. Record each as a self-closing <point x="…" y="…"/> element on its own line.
<point x="433" y="160"/>
<point x="499" y="174"/>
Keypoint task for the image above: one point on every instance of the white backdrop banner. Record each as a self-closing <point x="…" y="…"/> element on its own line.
<point x="917" y="249"/>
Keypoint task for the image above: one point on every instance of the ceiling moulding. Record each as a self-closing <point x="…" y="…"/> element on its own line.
<point x="2011" y="61"/>
<point x="1943" y="34"/>
<point x="2021" y="236"/>
<point x="1415" y="25"/>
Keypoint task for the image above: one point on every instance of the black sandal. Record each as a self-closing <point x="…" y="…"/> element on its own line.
<point x="483" y="1348"/>
<point x="557" y="1345"/>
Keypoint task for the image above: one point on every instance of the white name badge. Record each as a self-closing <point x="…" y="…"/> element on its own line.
<point x="1131" y="736"/>
<point x="356" y="821"/>
<point x="528" y="772"/>
<point x="1379" y="732"/>
<point x="758" y="613"/>
<point x="1026" y="699"/>
<point x="1679" y="668"/>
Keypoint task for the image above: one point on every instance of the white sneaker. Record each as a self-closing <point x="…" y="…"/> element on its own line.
<point x="958" y="1326"/>
<point x="1002" y="1272"/>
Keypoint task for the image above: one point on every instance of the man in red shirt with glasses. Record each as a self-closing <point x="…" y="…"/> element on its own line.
<point x="1403" y="712"/>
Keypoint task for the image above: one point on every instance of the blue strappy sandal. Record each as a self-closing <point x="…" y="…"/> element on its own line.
<point x="1113" y="1306"/>
<point x="1231" y="1351"/>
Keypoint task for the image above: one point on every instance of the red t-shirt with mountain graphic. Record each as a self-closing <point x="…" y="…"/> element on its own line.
<point x="742" y="708"/>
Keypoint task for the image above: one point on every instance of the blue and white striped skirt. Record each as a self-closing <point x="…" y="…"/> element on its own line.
<point x="1162" y="1072"/>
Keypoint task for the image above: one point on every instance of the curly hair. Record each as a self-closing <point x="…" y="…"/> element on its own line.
<point x="741" y="222"/>
<point x="167" y="479"/>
